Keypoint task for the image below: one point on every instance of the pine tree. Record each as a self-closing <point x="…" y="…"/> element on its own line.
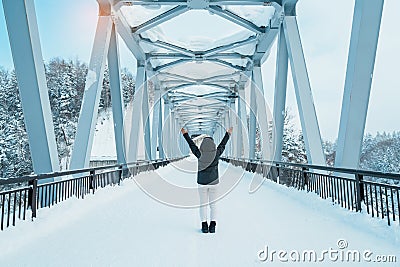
<point x="66" y="85"/>
<point x="15" y="154"/>
<point x="293" y="148"/>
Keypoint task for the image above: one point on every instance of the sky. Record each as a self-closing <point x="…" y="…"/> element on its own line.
<point x="67" y="31"/>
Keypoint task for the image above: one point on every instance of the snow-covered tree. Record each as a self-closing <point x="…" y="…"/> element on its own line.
<point x="15" y="157"/>
<point x="293" y="148"/>
<point x="329" y="151"/>
<point x="381" y="153"/>
<point x="66" y="85"/>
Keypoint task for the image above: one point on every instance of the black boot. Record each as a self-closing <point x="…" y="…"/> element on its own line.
<point x="211" y="229"/>
<point x="204" y="227"/>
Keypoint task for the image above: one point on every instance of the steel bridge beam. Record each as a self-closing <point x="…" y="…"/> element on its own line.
<point x="129" y="39"/>
<point x="219" y="49"/>
<point x="236" y="19"/>
<point x="166" y="136"/>
<point x="146" y="120"/>
<point x="134" y="125"/>
<point x="360" y="68"/>
<point x="242" y="123"/>
<point x="305" y="102"/>
<point x="172" y="13"/>
<point x="94" y="82"/>
<point x="252" y="121"/>
<point x="171" y="64"/>
<point x="263" y="117"/>
<point x="24" y="40"/>
<point x="181" y="86"/>
<point x="116" y="96"/>
<point x="168" y="46"/>
<point x="227" y="64"/>
<point x="280" y="94"/>
<point x="156" y="123"/>
<point x="185" y="2"/>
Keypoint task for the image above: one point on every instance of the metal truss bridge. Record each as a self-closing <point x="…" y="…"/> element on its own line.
<point x="206" y="85"/>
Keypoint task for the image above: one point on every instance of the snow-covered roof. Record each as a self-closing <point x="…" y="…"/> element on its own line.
<point x="201" y="51"/>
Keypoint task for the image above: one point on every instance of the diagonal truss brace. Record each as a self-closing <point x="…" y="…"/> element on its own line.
<point x="90" y="104"/>
<point x="305" y="102"/>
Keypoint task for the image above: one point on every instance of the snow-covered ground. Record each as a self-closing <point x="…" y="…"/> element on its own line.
<point x="103" y="143"/>
<point x="123" y="226"/>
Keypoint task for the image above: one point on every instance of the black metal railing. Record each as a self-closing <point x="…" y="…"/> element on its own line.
<point x="351" y="188"/>
<point x="29" y="194"/>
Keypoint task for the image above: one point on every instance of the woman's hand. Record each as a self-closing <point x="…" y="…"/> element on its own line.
<point x="183" y="131"/>
<point x="229" y="131"/>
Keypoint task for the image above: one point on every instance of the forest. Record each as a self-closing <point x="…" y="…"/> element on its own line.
<point x="66" y="84"/>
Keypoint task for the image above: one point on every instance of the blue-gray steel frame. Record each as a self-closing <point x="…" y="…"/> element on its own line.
<point x="360" y="68"/>
<point x="116" y="96"/>
<point x="20" y="17"/>
<point x="305" y="102"/>
<point x="94" y="83"/>
<point x="25" y="45"/>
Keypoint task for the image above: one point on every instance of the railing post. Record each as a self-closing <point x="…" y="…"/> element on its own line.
<point x="304" y="170"/>
<point x="33" y="197"/>
<point x="92" y="176"/>
<point x="360" y="190"/>
<point x="119" y="174"/>
<point x="278" y="177"/>
<point x="125" y="171"/>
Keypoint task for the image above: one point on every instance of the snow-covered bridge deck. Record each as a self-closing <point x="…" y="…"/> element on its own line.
<point x="123" y="226"/>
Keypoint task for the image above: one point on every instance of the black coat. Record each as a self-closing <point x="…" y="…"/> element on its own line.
<point x="208" y="157"/>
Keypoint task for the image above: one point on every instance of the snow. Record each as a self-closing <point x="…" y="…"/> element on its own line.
<point x="136" y="15"/>
<point x="123" y="226"/>
<point x="104" y="142"/>
<point x="260" y="16"/>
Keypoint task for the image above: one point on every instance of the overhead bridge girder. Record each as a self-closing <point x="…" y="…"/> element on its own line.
<point x="152" y="129"/>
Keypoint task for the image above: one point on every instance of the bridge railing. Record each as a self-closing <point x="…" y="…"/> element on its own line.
<point x="376" y="192"/>
<point x="28" y="194"/>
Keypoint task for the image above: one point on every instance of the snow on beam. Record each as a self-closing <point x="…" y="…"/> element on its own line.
<point x="360" y="68"/>
<point x="172" y="13"/>
<point x="243" y="2"/>
<point x="171" y="64"/>
<point x="227" y="64"/>
<point x="266" y="39"/>
<point x="198" y="55"/>
<point x="193" y="84"/>
<point x="125" y="32"/>
<point x="236" y="19"/>
<point x="118" y="3"/>
<point x="168" y="46"/>
<point x="91" y="98"/>
<point x="167" y="56"/>
<point x="20" y="17"/>
<point x="150" y="2"/>
<point x="230" y="46"/>
<point x="177" y="76"/>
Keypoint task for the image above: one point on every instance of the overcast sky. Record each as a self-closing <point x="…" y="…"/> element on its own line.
<point x="67" y="30"/>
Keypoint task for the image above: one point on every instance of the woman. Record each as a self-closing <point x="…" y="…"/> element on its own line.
<point x="207" y="175"/>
